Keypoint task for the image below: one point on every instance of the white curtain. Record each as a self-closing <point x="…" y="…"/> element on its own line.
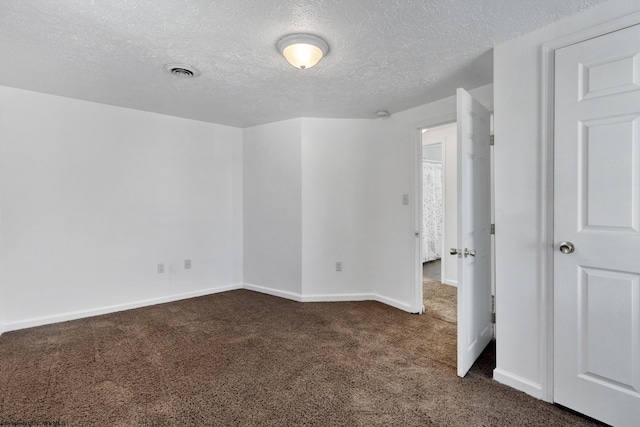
<point x="432" y="210"/>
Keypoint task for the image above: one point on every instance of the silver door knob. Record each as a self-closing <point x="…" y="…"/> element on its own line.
<point x="453" y="251"/>
<point x="468" y="252"/>
<point x="567" y="247"/>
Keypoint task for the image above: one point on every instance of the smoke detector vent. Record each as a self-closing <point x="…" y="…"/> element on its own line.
<point x="182" y="70"/>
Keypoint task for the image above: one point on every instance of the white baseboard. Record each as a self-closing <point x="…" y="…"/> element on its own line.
<point x="450" y="282"/>
<point x="394" y="303"/>
<point x="519" y="383"/>
<point x="39" y="321"/>
<point x="273" y="292"/>
<point x="63" y="317"/>
<point x="337" y="297"/>
<point x="357" y="297"/>
<point x="328" y="297"/>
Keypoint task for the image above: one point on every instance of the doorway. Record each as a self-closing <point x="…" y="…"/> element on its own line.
<point x="438" y="231"/>
<point x="471" y="251"/>
<point x="433" y="208"/>
<point x="439" y="203"/>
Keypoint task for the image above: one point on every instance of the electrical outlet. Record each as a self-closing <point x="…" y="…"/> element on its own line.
<point x="160" y="268"/>
<point x="187" y="264"/>
<point x="339" y="266"/>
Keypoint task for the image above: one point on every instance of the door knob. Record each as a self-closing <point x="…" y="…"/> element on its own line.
<point x="567" y="247"/>
<point x="468" y="252"/>
<point x="454" y="251"/>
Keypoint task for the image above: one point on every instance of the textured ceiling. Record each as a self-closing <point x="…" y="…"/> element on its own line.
<point x="384" y="54"/>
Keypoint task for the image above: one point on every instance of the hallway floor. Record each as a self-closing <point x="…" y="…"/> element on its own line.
<point x="432" y="269"/>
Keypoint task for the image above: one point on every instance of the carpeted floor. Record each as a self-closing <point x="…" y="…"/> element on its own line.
<point x="243" y="358"/>
<point x="440" y="300"/>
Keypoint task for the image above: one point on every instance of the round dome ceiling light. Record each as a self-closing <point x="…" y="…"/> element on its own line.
<point x="303" y="50"/>
<point x="182" y="70"/>
<point x="381" y="114"/>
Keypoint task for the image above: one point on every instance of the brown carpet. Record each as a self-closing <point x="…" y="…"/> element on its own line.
<point x="243" y="358"/>
<point x="440" y="300"/>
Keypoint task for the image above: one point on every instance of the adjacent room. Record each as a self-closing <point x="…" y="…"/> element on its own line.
<point x="214" y="213"/>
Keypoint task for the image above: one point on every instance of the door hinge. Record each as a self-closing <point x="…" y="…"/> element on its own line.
<point x="491" y="140"/>
<point x="493" y="318"/>
<point x="493" y="229"/>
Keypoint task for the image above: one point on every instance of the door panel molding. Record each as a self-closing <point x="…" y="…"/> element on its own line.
<point x="474" y="229"/>
<point x="596" y="339"/>
<point x="546" y="208"/>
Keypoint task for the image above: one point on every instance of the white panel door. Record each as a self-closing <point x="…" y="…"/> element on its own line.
<point x="597" y="210"/>
<point x="474" y="230"/>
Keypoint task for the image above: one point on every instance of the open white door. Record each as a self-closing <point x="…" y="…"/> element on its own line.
<point x="597" y="227"/>
<point x="474" y="230"/>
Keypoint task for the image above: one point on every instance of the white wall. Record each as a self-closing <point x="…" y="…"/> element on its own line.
<point x="353" y="181"/>
<point x="321" y="191"/>
<point x="336" y="196"/>
<point x="520" y="239"/>
<point x="447" y="135"/>
<point x="354" y="173"/>
<point x="95" y="196"/>
<point x="273" y="208"/>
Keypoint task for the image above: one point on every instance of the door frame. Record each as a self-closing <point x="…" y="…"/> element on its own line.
<point x="545" y="167"/>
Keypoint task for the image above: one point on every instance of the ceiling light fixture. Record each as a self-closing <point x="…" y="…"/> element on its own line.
<point x="381" y="114"/>
<point x="303" y="50"/>
<point x="182" y="70"/>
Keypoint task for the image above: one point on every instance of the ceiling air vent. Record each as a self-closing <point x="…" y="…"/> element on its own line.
<point x="182" y="70"/>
